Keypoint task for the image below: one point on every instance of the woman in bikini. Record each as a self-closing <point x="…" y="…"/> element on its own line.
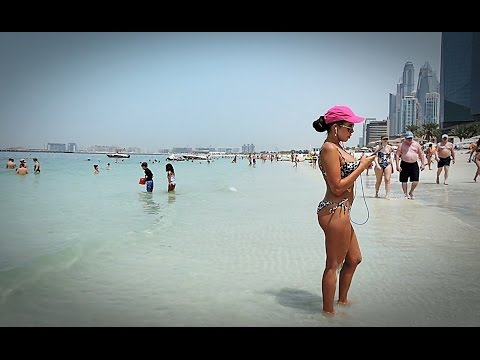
<point x="340" y="170"/>
<point x="170" y="177"/>
<point x="384" y="167"/>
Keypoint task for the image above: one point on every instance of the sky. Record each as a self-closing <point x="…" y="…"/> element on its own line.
<point x="163" y="90"/>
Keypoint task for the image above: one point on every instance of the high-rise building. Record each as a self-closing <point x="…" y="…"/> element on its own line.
<point x="427" y="83"/>
<point x="431" y="111"/>
<point x="392" y="114"/>
<point x="365" y="130"/>
<point x="375" y="131"/>
<point x="408" y="114"/>
<point x="459" y="78"/>
<point x="408" y="79"/>
<point x="405" y="87"/>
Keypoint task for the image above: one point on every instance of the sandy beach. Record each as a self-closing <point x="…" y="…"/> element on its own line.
<point x="457" y="200"/>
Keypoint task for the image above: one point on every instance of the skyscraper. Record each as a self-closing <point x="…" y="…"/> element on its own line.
<point x="408" y="79"/>
<point x="427" y="84"/>
<point x="459" y="78"/>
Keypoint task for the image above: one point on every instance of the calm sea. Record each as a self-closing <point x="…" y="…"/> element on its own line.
<point x="235" y="245"/>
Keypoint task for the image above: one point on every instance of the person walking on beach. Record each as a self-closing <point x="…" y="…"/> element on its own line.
<point x="148" y="177"/>
<point x="429" y="153"/>
<point x="340" y="170"/>
<point x="477" y="160"/>
<point x="473" y="148"/>
<point x="384" y="166"/>
<point x="36" y="166"/>
<point x="11" y="164"/>
<point x="444" y="154"/>
<point x="170" y="177"/>
<point x="408" y="152"/>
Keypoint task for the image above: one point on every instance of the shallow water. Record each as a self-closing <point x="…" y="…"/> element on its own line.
<point x="235" y="245"/>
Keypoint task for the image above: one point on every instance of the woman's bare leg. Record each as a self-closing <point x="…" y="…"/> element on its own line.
<point x="353" y="258"/>
<point x="388" y="179"/>
<point x="338" y="234"/>
<point x="379" y="176"/>
<point x="477" y="162"/>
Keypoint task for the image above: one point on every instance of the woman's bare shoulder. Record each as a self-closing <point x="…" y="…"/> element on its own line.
<point x="329" y="147"/>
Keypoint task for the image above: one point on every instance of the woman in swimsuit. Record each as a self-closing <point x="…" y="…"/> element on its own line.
<point x="170" y="177"/>
<point x="340" y="170"/>
<point x="384" y="167"/>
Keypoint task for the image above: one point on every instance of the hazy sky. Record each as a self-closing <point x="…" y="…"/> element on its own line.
<point x="163" y="90"/>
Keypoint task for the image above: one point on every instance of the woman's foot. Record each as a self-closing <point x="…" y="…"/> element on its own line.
<point x="328" y="313"/>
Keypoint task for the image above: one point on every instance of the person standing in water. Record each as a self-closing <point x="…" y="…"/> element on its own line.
<point x="170" y="177"/>
<point x="340" y="170"/>
<point x="11" y="164"/>
<point x="148" y="177"/>
<point x="22" y="169"/>
<point x="36" y="166"/>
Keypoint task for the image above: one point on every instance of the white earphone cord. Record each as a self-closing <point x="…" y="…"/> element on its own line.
<point x="364" y="200"/>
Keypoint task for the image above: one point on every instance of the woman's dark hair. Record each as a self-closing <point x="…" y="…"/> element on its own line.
<point x="320" y="125"/>
<point x="144" y="164"/>
<point x="169" y="167"/>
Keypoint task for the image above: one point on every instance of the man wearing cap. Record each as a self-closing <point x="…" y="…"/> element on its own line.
<point x="444" y="154"/>
<point x="408" y="152"/>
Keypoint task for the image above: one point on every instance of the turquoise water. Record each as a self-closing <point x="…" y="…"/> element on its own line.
<point x="235" y="245"/>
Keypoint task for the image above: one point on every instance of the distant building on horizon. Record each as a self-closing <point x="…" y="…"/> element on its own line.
<point x="72" y="147"/>
<point x="248" y="149"/>
<point x="57" y="147"/>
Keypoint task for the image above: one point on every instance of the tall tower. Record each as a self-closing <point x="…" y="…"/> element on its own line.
<point x="408" y="79"/>
<point x="459" y="78"/>
<point x="427" y="83"/>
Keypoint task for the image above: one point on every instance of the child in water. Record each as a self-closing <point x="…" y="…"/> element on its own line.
<point x="170" y="177"/>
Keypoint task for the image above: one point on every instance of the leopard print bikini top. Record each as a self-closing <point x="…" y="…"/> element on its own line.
<point x="345" y="169"/>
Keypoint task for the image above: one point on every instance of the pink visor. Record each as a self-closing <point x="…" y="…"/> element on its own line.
<point x="339" y="112"/>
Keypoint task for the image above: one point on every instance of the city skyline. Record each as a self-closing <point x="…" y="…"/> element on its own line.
<point x="165" y="90"/>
